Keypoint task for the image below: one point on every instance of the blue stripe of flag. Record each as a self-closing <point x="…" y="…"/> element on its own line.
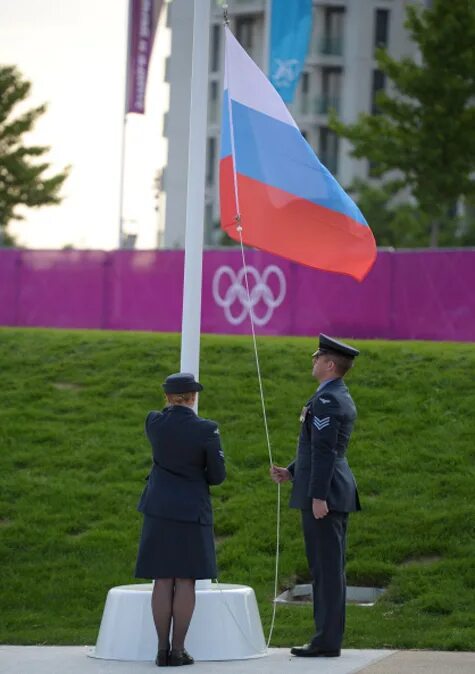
<point x="277" y="154"/>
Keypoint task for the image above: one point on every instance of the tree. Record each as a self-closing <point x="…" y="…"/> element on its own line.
<point x="24" y="179"/>
<point x="425" y="130"/>
<point x="393" y="223"/>
<point x="401" y="224"/>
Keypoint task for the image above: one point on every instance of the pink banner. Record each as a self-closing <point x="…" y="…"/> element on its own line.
<point x="407" y="295"/>
<point x="143" y="19"/>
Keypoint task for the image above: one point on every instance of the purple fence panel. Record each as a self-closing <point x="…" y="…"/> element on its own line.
<point x="9" y="286"/>
<point x="339" y="305"/>
<point x="225" y="304"/>
<point x="407" y="295"/>
<point x="61" y="289"/>
<point x="433" y="295"/>
<point x="144" y="290"/>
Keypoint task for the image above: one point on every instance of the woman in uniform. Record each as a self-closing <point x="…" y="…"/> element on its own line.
<point x="177" y="542"/>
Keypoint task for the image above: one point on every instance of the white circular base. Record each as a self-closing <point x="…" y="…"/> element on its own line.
<point x="225" y="626"/>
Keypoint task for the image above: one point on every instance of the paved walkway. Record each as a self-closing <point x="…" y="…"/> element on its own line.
<point x="75" y="660"/>
<point x="424" y="662"/>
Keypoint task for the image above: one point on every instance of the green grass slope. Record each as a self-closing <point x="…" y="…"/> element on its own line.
<point x="73" y="458"/>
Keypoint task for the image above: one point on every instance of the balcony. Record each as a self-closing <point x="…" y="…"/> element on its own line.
<point x="325" y="103"/>
<point x="331" y="46"/>
<point x="320" y="105"/>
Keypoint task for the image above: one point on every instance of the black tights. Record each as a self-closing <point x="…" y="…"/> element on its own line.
<point x="172" y="598"/>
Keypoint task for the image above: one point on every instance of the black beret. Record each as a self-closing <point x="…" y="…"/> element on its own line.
<point x="331" y="345"/>
<point x="181" y="382"/>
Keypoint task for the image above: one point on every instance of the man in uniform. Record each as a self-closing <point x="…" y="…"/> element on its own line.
<point x="324" y="490"/>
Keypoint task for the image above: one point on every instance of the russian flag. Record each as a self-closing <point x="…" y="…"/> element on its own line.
<point x="274" y="186"/>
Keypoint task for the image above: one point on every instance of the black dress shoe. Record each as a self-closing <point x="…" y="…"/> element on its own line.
<point x="162" y="658"/>
<point x="177" y="658"/>
<point x="309" y="651"/>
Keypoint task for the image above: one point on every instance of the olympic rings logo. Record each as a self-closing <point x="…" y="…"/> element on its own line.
<point x="259" y="292"/>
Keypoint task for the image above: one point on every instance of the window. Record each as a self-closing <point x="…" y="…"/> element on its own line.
<point x="215" y="45"/>
<point x="213" y="102"/>
<point x="379" y="84"/>
<point x="329" y="149"/>
<point x="304" y="91"/>
<point x="333" y="31"/>
<point x="381" y="28"/>
<point x="331" y="90"/>
<point x="245" y="32"/>
<point x="210" y="161"/>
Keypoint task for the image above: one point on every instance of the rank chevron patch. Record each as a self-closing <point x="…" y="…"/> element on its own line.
<point x="321" y="422"/>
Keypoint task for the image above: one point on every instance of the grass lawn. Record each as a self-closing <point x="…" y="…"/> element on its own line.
<point x="73" y="458"/>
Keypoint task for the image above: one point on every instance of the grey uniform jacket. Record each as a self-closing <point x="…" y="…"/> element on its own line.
<point x="187" y="458"/>
<point x="320" y="469"/>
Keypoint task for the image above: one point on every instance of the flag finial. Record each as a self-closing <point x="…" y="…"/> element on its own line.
<point x="225" y="14"/>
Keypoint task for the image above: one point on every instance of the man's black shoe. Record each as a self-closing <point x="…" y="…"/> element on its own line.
<point x="309" y="651"/>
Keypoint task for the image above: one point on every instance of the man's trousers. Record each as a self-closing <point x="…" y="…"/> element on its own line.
<point x="325" y="542"/>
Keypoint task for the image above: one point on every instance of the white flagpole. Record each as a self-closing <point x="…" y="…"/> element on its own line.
<point x="195" y="199"/>
<point x="191" y="320"/>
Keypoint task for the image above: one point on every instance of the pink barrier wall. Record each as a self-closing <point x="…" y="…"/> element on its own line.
<point x="407" y="295"/>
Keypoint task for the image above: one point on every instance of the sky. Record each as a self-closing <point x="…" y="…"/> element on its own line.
<point x="74" y="54"/>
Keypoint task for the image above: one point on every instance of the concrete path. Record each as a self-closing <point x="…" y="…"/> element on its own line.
<point x="75" y="660"/>
<point x="424" y="662"/>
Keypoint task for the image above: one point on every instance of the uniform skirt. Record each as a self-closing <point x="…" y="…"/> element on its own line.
<point x="171" y="549"/>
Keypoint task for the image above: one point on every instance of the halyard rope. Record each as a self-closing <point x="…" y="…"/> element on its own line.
<point x="266" y="427"/>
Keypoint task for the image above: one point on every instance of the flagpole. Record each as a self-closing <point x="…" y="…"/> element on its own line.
<point x="124" y="129"/>
<point x="191" y="320"/>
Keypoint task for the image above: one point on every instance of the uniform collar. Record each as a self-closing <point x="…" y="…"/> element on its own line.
<point x="327" y="382"/>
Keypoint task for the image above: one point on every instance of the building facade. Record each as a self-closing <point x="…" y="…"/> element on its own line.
<point x="340" y="73"/>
